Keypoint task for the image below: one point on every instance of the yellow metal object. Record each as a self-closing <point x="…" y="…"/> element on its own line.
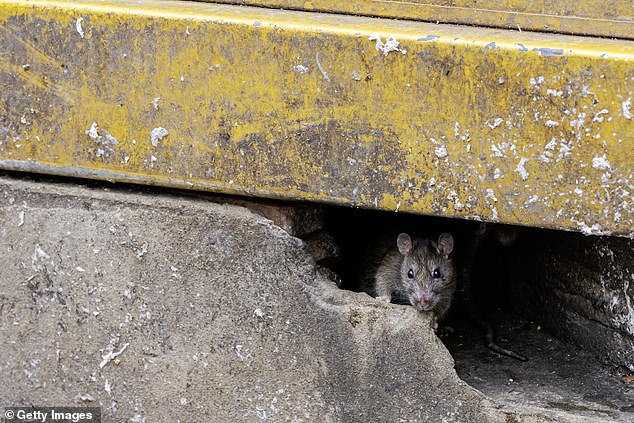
<point x="527" y="128"/>
<point x="611" y="18"/>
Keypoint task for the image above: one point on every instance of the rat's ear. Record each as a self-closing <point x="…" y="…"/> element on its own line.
<point x="404" y="244"/>
<point x="445" y="244"/>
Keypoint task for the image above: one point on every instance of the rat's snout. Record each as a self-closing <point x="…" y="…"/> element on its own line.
<point x="424" y="301"/>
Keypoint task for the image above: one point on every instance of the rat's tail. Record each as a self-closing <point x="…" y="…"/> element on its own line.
<point x="490" y="341"/>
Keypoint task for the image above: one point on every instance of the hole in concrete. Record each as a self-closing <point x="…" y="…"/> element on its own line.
<point x="564" y="300"/>
<point x="561" y="299"/>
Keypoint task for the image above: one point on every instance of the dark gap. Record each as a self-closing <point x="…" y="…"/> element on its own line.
<point x="560" y="380"/>
<point x="495" y="274"/>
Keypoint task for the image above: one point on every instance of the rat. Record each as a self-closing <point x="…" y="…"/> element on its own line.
<point x="420" y="272"/>
<point x="505" y="236"/>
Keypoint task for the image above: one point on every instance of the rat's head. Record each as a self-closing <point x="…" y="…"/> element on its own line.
<point x="427" y="271"/>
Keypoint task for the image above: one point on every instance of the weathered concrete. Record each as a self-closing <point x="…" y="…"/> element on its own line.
<point x="583" y="290"/>
<point x="224" y="317"/>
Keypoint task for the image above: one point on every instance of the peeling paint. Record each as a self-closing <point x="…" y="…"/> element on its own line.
<point x="490" y="46"/>
<point x="544" y="51"/>
<point x="625" y="106"/>
<point x="430" y="37"/>
<point x="554" y="93"/>
<point x="533" y="199"/>
<point x="281" y="131"/>
<point x="321" y="68"/>
<point x="78" y="27"/>
<point x="521" y="169"/>
<point x="586" y="229"/>
<point x="598" y="116"/>
<point x="157" y="135"/>
<point x="389" y="46"/>
<point x="601" y="163"/>
<point x="496" y="122"/>
<point x="551" y="123"/>
<point x="103" y="139"/>
<point x="537" y="81"/>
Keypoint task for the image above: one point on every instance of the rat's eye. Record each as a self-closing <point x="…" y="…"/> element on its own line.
<point x="436" y="274"/>
<point x="410" y="274"/>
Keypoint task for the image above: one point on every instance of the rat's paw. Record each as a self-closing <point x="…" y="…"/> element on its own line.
<point x="444" y="331"/>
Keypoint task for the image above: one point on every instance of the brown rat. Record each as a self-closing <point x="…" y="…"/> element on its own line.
<point x="420" y="272"/>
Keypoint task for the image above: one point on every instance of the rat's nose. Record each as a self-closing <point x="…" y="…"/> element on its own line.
<point x="424" y="302"/>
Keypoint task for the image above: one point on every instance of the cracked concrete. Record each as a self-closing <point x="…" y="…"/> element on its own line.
<point x="165" y="308"/>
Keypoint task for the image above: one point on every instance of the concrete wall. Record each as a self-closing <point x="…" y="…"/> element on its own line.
<point x="216" y="314"/>
<point x="581" y="288"/>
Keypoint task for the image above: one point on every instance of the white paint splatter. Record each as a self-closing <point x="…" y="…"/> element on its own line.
<point x="626" y="107"/>
<point x="531" y="200"/>
<point x="554" y="93"/>
<point x="490" y="199"/>
<point x="39" y="254"/>
<point x="453" y="196"/>
<point x="551" y="123"/>
<point x="537" y="81"/>
<point x="497" y="122"/>
<point x="601" y="163"/>
<point x="490" y="195"/>
<point x="112" y="355"/>
<point x="78" y="27"/>
<point x="300" y="68"/>
<point x="157" y="135"/>
<point x="565" y="147"/>
<point x="390" y="44"/>
<point x="238" y="351"/>
<point x="551" y="144"/>
<point x="521" y="169"/>
<point x="155" y="103"/>
<point x="321" y="69"/>
<point x="597" y="117"/>
<point x="103" y="139"/>
<point x="589" y="230"/>
<point x="441" y="151"/>
<point x="496" y="151"/>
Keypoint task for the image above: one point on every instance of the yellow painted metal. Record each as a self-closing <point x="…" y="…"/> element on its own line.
<point x="526" y="128"/>
<point x="607" y="18"/>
